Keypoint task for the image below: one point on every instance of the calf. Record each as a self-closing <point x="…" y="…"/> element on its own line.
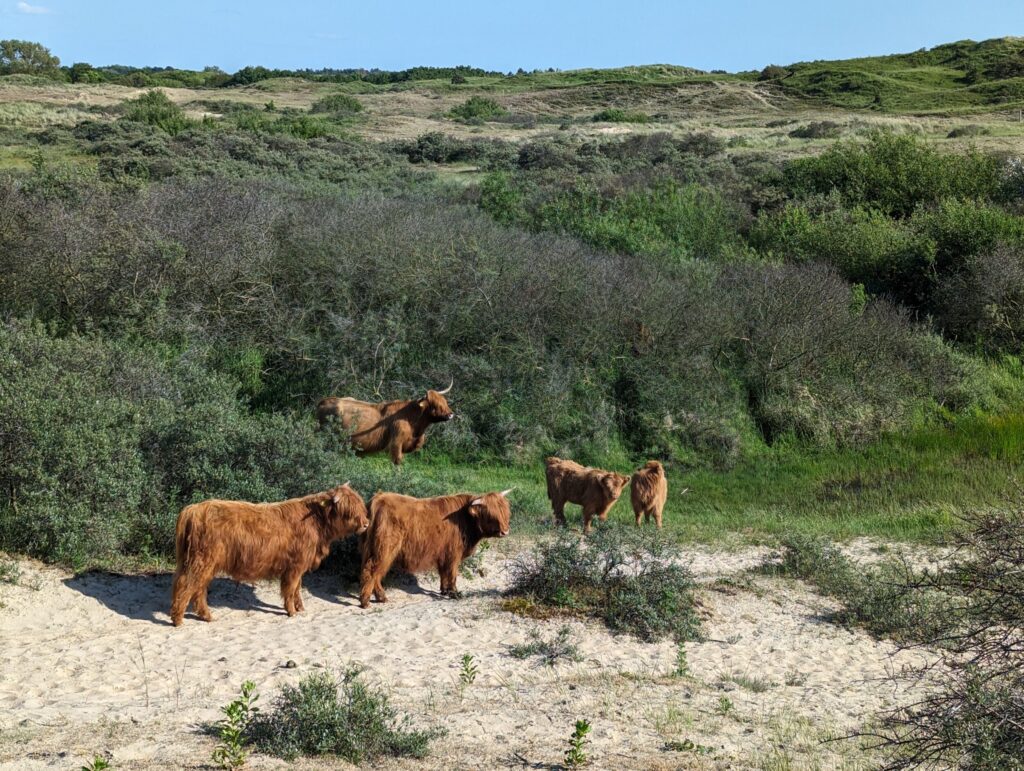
<point x="416" y="534"/>
<point x="594" y="489"/>
<point x="648" y="490"/>
<point x="251" y="541"/>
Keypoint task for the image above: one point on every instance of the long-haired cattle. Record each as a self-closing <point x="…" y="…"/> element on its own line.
<point x="648" y="490"/>
<point x="251" y="541"/>
<point x="416" y="534"/>
<point x="397" y="427"/>
<point x="594" y="489"/>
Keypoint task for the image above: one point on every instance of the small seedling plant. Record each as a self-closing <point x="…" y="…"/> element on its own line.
<point x="469" y="670"/>
<point x="576" y="755"/>
<point x="231" y="752"/>
<point x="99" y="763"/>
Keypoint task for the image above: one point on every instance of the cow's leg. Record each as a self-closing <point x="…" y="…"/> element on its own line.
<point x="396" y="452"/>
<point x="181" y="595"/>
<point x="640" y="513"/>
<point x="372" y="576"/>
<point x="291" y="584"/>
<point x="657" y="517"/>
<point x="449" y="572"/>
<point x="588" y="514"/>
<point x="558" y="509"/>
<point x="202" y="608"/>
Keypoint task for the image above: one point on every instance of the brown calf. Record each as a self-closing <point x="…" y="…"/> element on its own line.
<point x="594" y="489"/>
<point x="416" y="534"/>
<point x="251" y="541"/>
<point x="648" y="490"/>
<point x="396" y="427"/>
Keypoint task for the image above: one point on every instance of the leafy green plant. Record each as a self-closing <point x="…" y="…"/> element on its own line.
<point x="618" y="115"/>
<point x="350" y="719"/>
<point x="551" y="651"/>
<point x="630" y="579"/>
<point x="238" y="715"/>
<point x="477" y="107"/>
<point x="468" y="670"/>
<point x="576" y="755"/>
<point x="724" y="706"/>
<point x="682" y="667"/>
<point x="156" y="109"/>
<point x="337" y="103"/>
<point x="98" y="763"/>
<point x="688" y="745"/>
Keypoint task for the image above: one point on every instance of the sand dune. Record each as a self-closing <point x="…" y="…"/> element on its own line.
<point x="90" y="664"/>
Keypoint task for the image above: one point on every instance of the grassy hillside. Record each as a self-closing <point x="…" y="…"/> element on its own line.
<point x="957" y="77"/>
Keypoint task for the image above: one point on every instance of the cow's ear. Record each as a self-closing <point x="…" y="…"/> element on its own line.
<point x="423" y="404"/>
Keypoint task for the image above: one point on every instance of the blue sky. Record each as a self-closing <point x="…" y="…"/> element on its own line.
<point x="711" y="34"/>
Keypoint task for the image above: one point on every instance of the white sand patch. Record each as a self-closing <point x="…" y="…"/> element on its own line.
<point x="91" y="664"/>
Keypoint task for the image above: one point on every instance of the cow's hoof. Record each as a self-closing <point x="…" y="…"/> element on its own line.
<point x="207" y="617"/>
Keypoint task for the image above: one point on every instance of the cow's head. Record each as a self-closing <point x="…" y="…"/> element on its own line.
<point x="613" y="483"/>
<point x="492" y="514"/>
<point x="435" y="406"/>
<point x="345" y="511"/>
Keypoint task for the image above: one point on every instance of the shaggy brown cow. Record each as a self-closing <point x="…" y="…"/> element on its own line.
<point x="592" y="488"/>
<point x="398" y="427"/>
<point x="648" y="490"/>
<point x="417" y="534"/>
<point x="250" y="541"/>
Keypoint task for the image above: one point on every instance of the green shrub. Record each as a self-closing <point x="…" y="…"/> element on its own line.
<point x="773" y="72"/>
<point x="337" y="103"/>
<point x="618" y="115"/>
<point x="156" y="109"/>
<point x="873" y="596"/>
<point x="550" y="651"/>
<point x="477" y="107"/>
<point x="348" y="719"/>
<point x="894" y="174"/>
<point x="630" y="579"/>
<point x="983" y="303"/>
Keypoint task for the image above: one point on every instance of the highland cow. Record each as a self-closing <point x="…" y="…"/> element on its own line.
<point x="416" y="534"/>
<point x="593" y="489"/>
<point x="251" y="541"/>
<point x="648" y="490"/>
<point x="397" y="427"/>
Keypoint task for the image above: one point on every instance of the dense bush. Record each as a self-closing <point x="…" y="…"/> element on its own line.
<point x="618" y="115"/>
<point x="972" y="713"/>
<point x="347" y="719"/>
<point x="894" y="174"/>
<point x="632" y="580"/>
<point x="477" y="108"/>
<point x="337" y="103"/>
<point x="154" y="108"/>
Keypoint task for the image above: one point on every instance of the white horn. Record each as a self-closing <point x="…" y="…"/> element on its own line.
<point x="477" y="502"/>
<point x="449" y="388"/>
<point x="504" y="493"/>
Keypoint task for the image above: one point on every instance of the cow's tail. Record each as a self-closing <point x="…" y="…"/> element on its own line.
<point x="185" y="537"/>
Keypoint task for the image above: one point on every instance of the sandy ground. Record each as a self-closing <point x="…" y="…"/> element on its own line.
<point x="90" y="664"/>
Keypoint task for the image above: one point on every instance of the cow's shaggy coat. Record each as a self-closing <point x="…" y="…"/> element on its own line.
<point x="417" y="534"/>
<point x="397" y="427"/>
<point x="252" y="541"/>
<point x="594" y="489"/>
<point x="648" y="490"/>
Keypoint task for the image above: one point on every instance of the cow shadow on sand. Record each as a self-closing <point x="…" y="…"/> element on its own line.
<point x="148" y="597"/>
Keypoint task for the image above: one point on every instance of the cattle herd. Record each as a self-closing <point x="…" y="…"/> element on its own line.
<point x="285" y="540"/>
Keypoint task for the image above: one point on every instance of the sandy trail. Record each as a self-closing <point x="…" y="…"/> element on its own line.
<point x="90" y="664"/>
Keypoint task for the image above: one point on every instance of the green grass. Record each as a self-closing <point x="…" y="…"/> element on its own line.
<point x="904" y="487"/>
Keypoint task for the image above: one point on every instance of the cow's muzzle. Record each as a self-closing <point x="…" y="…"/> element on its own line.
<point x="503" y="533"/>
<point x="449" y="416"/>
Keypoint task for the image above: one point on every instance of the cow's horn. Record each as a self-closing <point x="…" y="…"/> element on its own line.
<point x="449" y="388"/>
<point x="504" y="493"/>
<point x="476" y="502"/>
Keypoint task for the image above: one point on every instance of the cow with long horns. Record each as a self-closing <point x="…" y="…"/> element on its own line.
<point x="397" y="427"/>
